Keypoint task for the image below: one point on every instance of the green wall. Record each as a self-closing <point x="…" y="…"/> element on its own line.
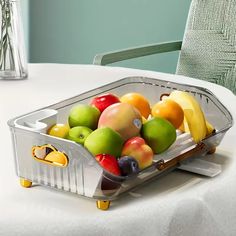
<point x="25" y="21"/>
<point x="73" y="31"/>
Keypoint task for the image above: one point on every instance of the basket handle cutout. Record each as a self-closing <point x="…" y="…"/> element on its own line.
<point x="48" y="154"/>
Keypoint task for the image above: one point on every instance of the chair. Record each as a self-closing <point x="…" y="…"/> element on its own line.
<point x="208" y="49"/>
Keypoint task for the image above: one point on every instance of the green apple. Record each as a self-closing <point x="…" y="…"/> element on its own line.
<point x="79" y="134"/>
<point x="84" y="115"/>
<point x="104" y="141"/>
<point x="159" y="134"/>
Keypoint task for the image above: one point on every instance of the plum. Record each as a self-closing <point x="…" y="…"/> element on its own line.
<point x="128" y="166"/>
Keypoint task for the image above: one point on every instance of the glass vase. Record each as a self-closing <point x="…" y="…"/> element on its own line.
<point x="13" y="63"/>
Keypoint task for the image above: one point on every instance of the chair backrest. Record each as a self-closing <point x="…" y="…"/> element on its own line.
<point x="209" y="45"/>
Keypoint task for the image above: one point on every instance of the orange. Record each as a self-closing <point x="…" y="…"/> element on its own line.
<point x="170" y="110"/>
<point x="138" y="101"/>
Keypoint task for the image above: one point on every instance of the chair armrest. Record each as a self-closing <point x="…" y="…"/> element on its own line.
<point x="111" y="57"/>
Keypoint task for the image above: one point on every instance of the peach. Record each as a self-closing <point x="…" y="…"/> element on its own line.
<point x="123" y="118"/>
<point x="137" y="148"/>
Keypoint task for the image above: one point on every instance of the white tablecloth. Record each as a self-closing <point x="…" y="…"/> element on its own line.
<point x="180" y="203"/>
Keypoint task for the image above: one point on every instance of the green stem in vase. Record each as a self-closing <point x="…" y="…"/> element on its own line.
<point x="6" y="52"/>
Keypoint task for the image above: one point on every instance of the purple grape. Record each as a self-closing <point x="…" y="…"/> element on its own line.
<point x="128" y="165"/>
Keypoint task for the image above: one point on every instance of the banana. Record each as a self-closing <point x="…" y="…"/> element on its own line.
<point x="184" y="126"/>
<point x="210" y="128"/>
<point x="194" y="116"/>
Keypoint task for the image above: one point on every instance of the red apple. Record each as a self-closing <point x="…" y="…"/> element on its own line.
<point x="137" y="148"/>
<point x="104" y="100"/>
<point x="109" y="163"/>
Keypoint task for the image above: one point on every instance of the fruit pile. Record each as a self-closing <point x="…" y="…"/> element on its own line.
<point x="124" y="133"/>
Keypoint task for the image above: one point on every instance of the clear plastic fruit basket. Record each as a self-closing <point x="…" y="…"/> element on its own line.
<point x="80" y="173"/>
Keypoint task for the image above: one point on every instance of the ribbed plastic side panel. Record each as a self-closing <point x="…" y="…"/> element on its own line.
<point x="29" y="168"/>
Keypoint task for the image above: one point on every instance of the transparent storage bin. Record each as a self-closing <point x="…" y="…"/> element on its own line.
<point x="81" y="173"/>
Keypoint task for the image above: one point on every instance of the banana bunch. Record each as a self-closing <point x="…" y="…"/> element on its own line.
<point x="194" y="119"/>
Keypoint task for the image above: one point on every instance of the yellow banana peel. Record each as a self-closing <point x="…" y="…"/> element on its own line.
<point x="210" y="128"/>
<point x="194" y="117"/>
<point x="184" y="126"/>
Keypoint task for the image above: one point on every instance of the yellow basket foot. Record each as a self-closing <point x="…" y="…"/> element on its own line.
<point x="103" y="205"/>
<point x="25" y="183"/>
